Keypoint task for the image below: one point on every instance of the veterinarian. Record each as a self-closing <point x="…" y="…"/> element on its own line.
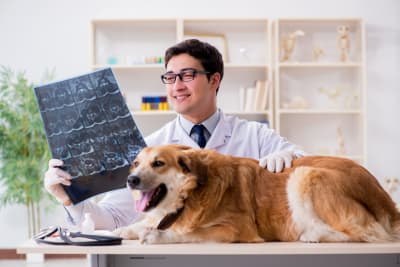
<point x="194" y="71"/>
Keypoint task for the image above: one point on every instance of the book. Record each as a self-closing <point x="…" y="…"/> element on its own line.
<point x="261" y="98"/>
<point x="250" y="97"/>
<point x="242" y="98"/>
<point x="89" y="126"/>
<point x="254" y="98"/>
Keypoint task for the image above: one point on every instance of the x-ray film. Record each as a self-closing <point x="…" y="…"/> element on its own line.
<point x="89" y="126"/>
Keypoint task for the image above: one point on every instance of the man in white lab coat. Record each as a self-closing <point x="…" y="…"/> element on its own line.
<point x="194" y="71"/>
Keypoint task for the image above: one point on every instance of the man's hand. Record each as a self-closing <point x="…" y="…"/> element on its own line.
<point x="53" y="179"/>
<point x="276" y="162"/>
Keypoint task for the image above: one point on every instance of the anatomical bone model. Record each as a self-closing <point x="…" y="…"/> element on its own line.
<point x="343" y="42"/>
<point x="317" y="53"/>
<point x="341" y="150"/>
<point x="288" y="43"/>
<point x="391" y="185"/>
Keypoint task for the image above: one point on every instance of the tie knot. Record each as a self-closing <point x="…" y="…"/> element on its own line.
<point x="198" y="134"/>
<point x="198" y="128"/>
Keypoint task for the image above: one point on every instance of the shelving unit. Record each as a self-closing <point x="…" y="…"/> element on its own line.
<point x="316" y="99"/>
<point x="320" y="100"/>
<point x="124" y="44"/>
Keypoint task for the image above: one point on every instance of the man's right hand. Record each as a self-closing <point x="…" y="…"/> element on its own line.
<point x="53" y="179"/>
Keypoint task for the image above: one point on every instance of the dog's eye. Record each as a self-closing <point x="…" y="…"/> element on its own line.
<point x="157" y="163"/>
<point x="136" y="163"/>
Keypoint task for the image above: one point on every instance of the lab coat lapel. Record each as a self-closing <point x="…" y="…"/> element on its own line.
<point x="179" y="136"/>
<point x="221" y="134"/>
<point x="219" y="137"/>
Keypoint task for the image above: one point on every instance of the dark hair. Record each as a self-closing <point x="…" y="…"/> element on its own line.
<point x="209" y="56"/>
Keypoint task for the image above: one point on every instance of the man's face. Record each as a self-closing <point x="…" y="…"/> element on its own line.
<point x="196" y="99"/>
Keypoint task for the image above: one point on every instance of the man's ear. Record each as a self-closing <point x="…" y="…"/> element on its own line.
<point x="216" y="79"/>
<point x="191" y="162"/>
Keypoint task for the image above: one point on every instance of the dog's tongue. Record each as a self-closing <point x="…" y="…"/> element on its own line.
<point x="141" y="204"/>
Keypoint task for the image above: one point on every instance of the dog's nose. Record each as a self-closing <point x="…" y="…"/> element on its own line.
<point x="133" y="181"/>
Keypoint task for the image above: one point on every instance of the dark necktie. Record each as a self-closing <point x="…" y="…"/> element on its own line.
<point x="200" y="138"/>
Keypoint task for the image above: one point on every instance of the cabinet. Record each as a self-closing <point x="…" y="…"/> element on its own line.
<point x="320" y="85"/>
<point x="133" y="48"/>
<point x="316" y="76"/>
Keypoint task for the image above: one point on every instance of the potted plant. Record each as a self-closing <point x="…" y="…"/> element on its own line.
<point x="23" y="147"/>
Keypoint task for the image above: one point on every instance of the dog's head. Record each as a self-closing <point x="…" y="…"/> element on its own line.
<point x="165" y="176"/>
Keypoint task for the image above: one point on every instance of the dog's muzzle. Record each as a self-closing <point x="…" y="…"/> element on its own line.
<point x="133" y="181"/>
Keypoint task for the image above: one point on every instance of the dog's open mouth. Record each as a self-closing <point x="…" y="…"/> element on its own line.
<point x="150" y="199"/>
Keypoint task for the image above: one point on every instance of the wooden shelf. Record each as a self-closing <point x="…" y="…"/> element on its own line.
<point x="333" y="91"/>
<point x="244" y="42"/>
<point x="319" y="65"/>
<point x="302" y="75"/>
<point x="153" y="113"/>
<point x="130" y="67"/>
<point x="320" y="111"/>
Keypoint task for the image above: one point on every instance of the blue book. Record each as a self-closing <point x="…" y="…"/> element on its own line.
<point x="89" y="126"/>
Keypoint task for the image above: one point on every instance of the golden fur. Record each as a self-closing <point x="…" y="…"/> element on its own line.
<point x="231" y="199"/>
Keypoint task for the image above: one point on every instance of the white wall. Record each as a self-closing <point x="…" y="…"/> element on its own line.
<point x="40" y="34"/>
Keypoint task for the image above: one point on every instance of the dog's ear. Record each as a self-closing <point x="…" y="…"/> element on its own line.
<point x="191" y="163"/>
<point x="184" y="162"/>
<point x="180" y="147"/>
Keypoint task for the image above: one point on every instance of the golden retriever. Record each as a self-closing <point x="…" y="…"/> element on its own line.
<point x="192" y="195"/>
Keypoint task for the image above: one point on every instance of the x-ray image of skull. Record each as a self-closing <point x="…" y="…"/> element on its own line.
<point x="104" y="86"/>
<point x="83" y="92"/>
<point x="71" y="120"/>
<point x="113" y="160"/>
<point x="91" y="166"/>
<point x="62" y="96"/>
<point x="92" y="114"/>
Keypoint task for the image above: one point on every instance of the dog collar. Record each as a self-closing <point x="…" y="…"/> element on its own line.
<point x="169" y="219"/>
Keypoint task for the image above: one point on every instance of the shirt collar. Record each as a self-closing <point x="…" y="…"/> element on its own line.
<point x="210" y="123"/>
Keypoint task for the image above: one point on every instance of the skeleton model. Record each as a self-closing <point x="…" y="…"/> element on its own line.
<point x="317" y="53"/>
<point x="343" y="42"/>
<point x="392" y="184"/>
<point x="340" y="142"/>
<point x="297" y="102"/>
<point x="333" y="94"/>
<point x="288" y="43"/>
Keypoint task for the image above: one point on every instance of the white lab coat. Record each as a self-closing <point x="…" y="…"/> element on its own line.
<point x="231" y="136"/>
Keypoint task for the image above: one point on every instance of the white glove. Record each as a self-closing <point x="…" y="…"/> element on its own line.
<point x="275" y="162"/>
<point x="53" y="179"/>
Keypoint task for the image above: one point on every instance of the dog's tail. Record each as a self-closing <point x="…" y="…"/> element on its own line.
<point x="379" y="203"/>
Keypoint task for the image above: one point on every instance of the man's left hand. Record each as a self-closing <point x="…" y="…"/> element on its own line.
<point x="277" y="161"/>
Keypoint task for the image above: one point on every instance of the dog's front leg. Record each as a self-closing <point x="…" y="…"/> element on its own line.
<point x="132" y="231"/>
<point x="129" y="232"/>
<point x="221" y="234"/>
<point x="155" y="236"/>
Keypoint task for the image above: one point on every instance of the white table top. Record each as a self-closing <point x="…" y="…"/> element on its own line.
<point x="270" y="248"/>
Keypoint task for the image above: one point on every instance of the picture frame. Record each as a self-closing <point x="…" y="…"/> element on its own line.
<point x="216" y="39"/>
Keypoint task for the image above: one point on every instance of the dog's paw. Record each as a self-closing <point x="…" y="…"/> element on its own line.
<point x="309" y="237"/>
<point x="125" y="233"/>
<point x="150" y="236"/>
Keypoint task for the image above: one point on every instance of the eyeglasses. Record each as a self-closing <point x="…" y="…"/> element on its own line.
<point x="186" y="75"/>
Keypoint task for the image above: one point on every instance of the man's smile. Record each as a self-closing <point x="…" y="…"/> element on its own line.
<point x="181" y="97"/>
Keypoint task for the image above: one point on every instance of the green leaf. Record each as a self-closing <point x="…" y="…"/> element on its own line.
<point x="23" y="147"/>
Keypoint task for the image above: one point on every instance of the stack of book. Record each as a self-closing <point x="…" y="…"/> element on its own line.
<point x="255" y="98"/>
